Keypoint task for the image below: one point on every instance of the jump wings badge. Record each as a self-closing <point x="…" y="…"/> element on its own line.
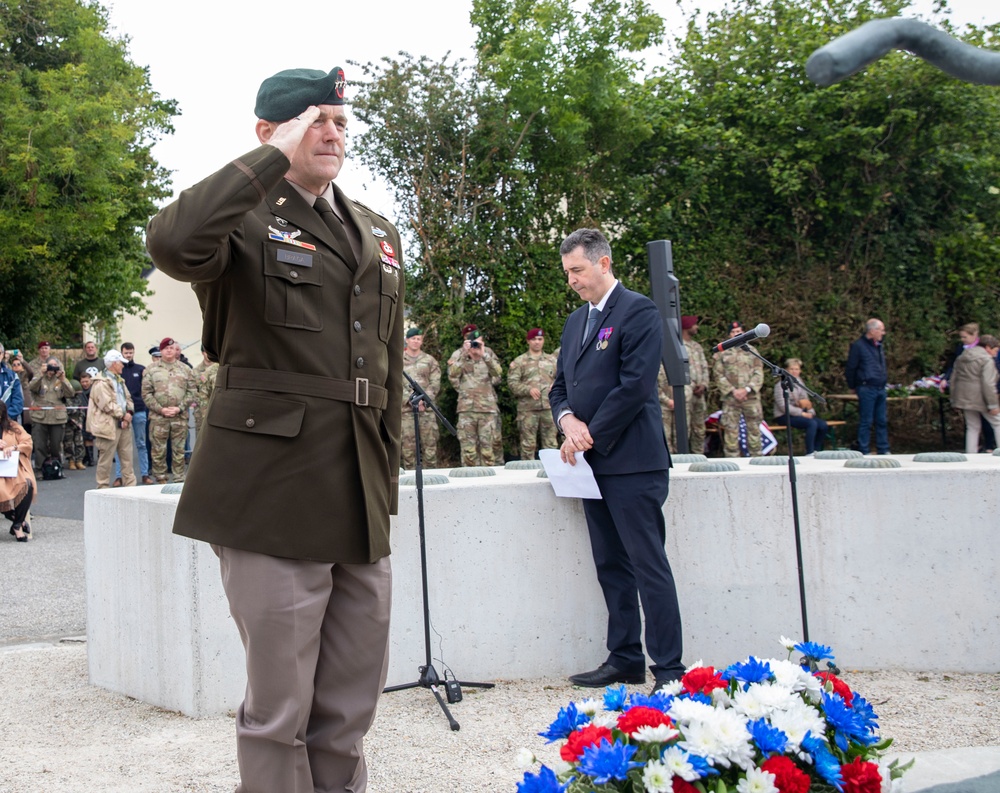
<point x="288" y="237"/>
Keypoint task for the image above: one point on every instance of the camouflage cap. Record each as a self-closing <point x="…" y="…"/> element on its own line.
<point x="286" y="94"/>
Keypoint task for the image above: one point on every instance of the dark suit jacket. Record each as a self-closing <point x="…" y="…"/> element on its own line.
<point x="614" y="389"/>
<point x="282" y="470"/>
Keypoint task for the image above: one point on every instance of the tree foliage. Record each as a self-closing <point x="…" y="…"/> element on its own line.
<point x="77" y="178"/>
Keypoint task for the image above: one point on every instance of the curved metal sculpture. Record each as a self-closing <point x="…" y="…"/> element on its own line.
<point x="853" y="51"/>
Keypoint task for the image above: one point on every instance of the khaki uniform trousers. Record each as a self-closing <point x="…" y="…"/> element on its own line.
<point x="123" y="444"/>
<point x="316" y="636"/>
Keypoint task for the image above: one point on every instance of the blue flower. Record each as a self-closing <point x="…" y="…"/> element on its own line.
<point x="814" y="652"/>
<point x="846" y="723"/>
<point x="606" y="761"/>
<point x="750" y="671"/>
<point x="700" y="765"/>
<point x="568" y="720"/>
<point x="614" y="698"/>
<point x="770" y="739"/>
<point x="660" y="700"/>
<point x="827" y="766"/>
<point x="544" y="781"/>
<point x="866" y="715"/>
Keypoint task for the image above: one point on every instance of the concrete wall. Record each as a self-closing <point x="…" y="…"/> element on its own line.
<point x="900" y="569"/>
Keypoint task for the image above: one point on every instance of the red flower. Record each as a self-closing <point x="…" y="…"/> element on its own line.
<point x="579" y="740"/>
<point x="788" y="777"/>
<point x="839" y="686"/>
<point x="861" y="777"/>
<point x="681" y="786"/>
<point x="702" y="680"/>
<point x="634" y="718"/>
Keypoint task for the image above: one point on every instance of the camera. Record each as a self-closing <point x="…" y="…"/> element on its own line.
<point x="51" y="367"/>
<point x="14" y="353"/>
<point x="475" y="344"/>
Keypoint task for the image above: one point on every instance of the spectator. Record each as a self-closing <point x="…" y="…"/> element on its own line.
<point x="968" y="337"/>
<point x="16" y="492"/>
<point x="73" y="446"/>
<point x="974" y="389"/>
<point x="24" y="374"/>
<point x="132" y="375"/>
<point x="696" y="392"/>
<point x="867" y="376"/>
<point x="205" y="374"/>
<point x="10" y="388"/>
<point x="37" y="364"/>
<point x="109" y="419"/>
<point x="665" y="393"/>
<point x="50" y="390"/>
<point x="473" y="371"/>
<point x="168" y="388"/>
<point x="86" y="382"/>
<point x="90" y="360"/>
<point x="739" y="376"/>
<point x="497" y="418"/>
<point x="529" y="378"/>
<point x="426" y="372"/>
<point x="801" y="413"/>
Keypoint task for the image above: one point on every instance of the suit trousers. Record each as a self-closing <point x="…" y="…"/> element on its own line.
<point x="627" y="537"/>
<point x="316" y="636"/>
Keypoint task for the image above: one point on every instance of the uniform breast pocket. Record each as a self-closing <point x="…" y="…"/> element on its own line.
<point x="387" y="308"/>
<point x="293" y="288"/>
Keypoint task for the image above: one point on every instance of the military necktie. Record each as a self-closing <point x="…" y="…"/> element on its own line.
<point x="322" y="206"/>
<point x="595" y="315"/>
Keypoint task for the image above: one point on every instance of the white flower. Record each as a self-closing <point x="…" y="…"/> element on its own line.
<point x="656" y="778"/>
<point x="591" y="707"/>
<point x="560" y="767"/>
<point x="606" y="718"/>
<point x="684" y="710"/>
<point x="673" y="688"/>
<point x="795" y="678"/>
<point x="676" y="761"/>
<point x="788" y="644"/>
<point x="798" y="719"/>
<point x="525" y="758"/>
<point x="757" y="781"/>
<point x="659" y="734"/>
<point x="760" y="700"/>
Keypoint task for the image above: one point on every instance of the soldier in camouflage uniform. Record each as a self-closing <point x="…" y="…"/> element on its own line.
<point x="204" y="375"/>
<point x="695" y="394"/>
<point x="739" y="377"/>
<point x="74" y="450"/>
<point x="666" y="393"/>
<point x="168" y="389"/>
<point x="529" y="378"/>
<point x="473" y="370"/>
<point x="426" y="372"/>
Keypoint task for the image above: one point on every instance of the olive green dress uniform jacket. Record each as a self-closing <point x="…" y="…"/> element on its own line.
<point x="283" y="464"/>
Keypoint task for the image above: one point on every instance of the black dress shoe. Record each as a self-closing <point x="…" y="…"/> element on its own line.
<point x="605" y="675"/>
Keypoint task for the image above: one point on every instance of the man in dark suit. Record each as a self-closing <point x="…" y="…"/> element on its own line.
<point x="296" y="472"/>
<point x="605" y="401"/>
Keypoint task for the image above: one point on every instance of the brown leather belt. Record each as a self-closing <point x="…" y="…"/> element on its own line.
<point x="359" y="391"/>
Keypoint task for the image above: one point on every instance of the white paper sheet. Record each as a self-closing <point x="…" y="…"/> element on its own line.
<point x="569" y="481"/>
<point x="8" y="465"/>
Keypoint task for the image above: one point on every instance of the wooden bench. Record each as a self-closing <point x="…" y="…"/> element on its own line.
<point x="832" y="424"/>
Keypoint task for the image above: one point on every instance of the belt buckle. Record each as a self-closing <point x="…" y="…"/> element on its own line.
<point x="357" y="391"/>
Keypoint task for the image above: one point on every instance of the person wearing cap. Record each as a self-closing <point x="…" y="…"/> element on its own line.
<point x="109" y="420"/>
<point x="488" y="353"/>
<point x="302" y="295"/>
<point x="529" y="377"/>
<point x="604" y="400"/>
<point x="168" y="390"/>
<point x="37" y="364"/>
<point x="50" y="391"/>
<point x="426" y="372"/>
<point x="474" y="374"/>
<point x="739" y="376"/>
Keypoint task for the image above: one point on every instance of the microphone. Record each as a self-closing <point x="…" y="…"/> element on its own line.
<point x="759" y="332"/>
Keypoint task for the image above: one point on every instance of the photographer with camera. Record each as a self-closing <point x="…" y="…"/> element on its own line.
<point x="474" y="370"/>
<point x="50" y="390"/>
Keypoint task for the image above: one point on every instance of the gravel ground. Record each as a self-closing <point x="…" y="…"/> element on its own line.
<point x="61" y="734"/>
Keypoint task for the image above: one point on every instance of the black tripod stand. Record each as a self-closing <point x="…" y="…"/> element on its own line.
<point x="429" y="677"/>
<point x="787" y="384"/>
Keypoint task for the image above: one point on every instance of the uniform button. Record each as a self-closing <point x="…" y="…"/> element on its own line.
<point x="357" y="289"/>
<point x="293" y="274"/>
<point x="360" y="362"/>
<point x="357" y="325"/>
<point x="251" y="422"/>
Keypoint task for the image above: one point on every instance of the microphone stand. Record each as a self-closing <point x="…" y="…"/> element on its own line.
<point x="429" y="677"/>
<point x="787" y="384"/>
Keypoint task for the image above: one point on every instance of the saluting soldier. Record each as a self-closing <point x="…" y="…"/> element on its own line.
<point x="296" y="475"/>
<point x="739" y="377"/>
<point x="529" y="378"/>
<point x="426" y="372"/>
<point x="474" y="370"/>
<point x="168" y="389"/>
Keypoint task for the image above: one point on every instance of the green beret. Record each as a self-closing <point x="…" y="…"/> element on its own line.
<point x="414" y="332"/>
<point x="286" y="94"/>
